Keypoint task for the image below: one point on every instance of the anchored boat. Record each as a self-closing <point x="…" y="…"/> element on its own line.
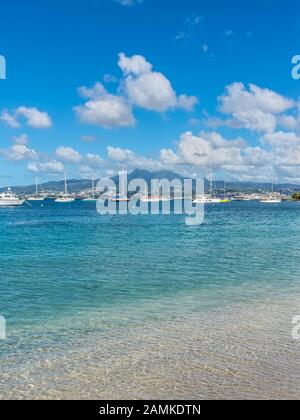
<point x="36" y="197"/>
<point x="9" y="199"/>
<point x="65" y="198"/>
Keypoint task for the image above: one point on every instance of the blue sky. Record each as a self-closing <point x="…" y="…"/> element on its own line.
<point x="156" y="106"/>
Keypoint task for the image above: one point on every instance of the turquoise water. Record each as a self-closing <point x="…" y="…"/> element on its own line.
<point x="146" y="307"/>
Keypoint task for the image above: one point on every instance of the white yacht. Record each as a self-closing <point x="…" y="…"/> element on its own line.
<point x="65" y="198"/>
<point x="272" y="198"/>
<point x="36" y="197"/>
<point x="207" y="200"/>
<point x="9" y="199"/>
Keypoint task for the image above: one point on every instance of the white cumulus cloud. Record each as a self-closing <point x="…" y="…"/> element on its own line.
<point x="254" y="108"/>
<point x="19" y="152"/>
<point x="22" y="139"/>
<point x="149" y="89"/>
<point x="9" y="119"/>
<point x="68" y="154"/>
<point x="131" y="160"/>
<point x="34" y="117"/>
<point x="50" y="167"/>
<point x="103" y="109"/>
<point x="94" y="160"/>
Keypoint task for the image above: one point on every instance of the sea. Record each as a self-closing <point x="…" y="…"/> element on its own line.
<point x="145" y="307"/>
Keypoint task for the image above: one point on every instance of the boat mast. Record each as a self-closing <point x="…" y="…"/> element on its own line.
<point x="66" y="187"/>
<point x="211" y="180"/>
<point x="93" y="188"/>
<point x="272" y="185"/>
<point x="36" y="186"/>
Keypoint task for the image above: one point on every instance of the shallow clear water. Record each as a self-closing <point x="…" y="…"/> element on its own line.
<point x="145" y="307"/>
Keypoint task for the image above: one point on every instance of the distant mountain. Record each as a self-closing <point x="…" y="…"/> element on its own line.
<point x="78" y="185"/>
<point x="74" y="186"/>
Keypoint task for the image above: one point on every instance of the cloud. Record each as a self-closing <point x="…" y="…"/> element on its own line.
<point x="89" y="162"/>
<point x="68" y="154"/>
<point x="218" y="141"/>
<point x="290" y="157"/>
<point x="140" y="87"/>
<point x="254" y="108"/>
<point x="9" y="119"/>
<point x="249" y="107"/>
<point x="19" y="152"/>
<point x="151" y="91"/>
<point x="94" y="160"/>
<point x="281" y="139"/>
<point x="288" y="121"/>
<point x="92" y="166"/>
<point x="119" y="155"/>
<point x="200" y="151"/>
<point x="187" y="103"/>
<point x="50" y="167"/>
<point x="129" y="3"/>
<point x="190" y="26"/>
<point x="231" y="158"/>
<point x="110" y="78"/>
<point x="94" y="92"/>
<point x="128" y="158"/>
<point x="236" y="159"/>
<point x="285" y="147"/>
<point x="180" y="35"/>
<point x="229" y="33"/>
<point x="210" y="147"/>
<point x="256" y="120"/>
<point x="239" y="98"/>
<point x="136" y="65"/>
<point x="104" y="109"/>
<point x="22" y="139"/>
<point x="88" y="139"/>
<point x="169" y="158"/>
<point x="148" y="89"/>
<point x="205" y="48"/>
<point x="34" y="117"/>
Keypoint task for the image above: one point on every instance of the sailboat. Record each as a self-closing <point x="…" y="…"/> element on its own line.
<point x="272" y="198"/>
<point x="92" y="197"/>
<point x="65" y="198"/>
<point x="36" y="197"/>
<point x="209" y="199"/>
